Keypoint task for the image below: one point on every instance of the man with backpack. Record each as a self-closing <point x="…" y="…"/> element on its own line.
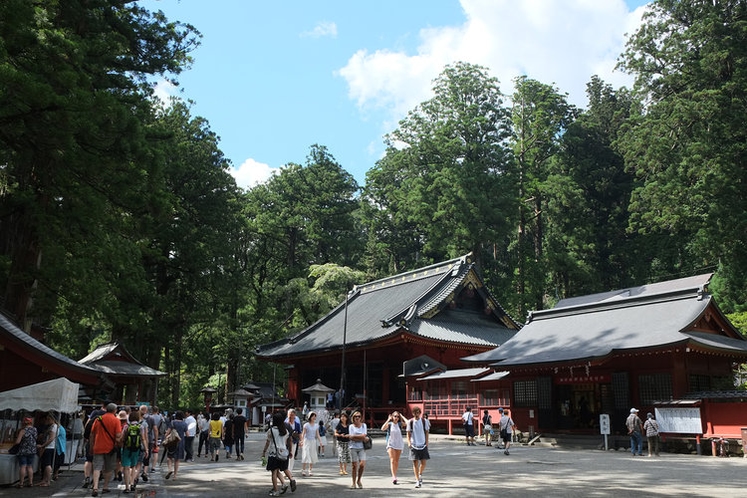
<point x="135" y="441"/>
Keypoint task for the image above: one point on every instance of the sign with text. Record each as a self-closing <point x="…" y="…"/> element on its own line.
<point x="604" y="424"/>
<point x="679" y="420"/>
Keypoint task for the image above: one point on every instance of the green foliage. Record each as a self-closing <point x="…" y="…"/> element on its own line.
<point x="688" y="148"/>
<point x="539" y="115"/>
<point x="442" y="189"/>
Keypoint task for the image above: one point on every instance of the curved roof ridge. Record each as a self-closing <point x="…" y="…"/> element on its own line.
<point x="411" y="275"/>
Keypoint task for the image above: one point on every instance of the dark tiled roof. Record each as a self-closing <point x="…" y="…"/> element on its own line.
<point x="592" y="327"/>
<point x="113" y="358"/>
<point x="400" y="303"/>
<point x="25" y="341"/>
<point x="126" y="369"/>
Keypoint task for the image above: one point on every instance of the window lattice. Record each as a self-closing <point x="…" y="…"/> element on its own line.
<point x="525" y="393"/>
<point x="657" y="387"/>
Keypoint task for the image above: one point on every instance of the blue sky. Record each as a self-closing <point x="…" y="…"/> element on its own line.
<point x="275" y="77"/>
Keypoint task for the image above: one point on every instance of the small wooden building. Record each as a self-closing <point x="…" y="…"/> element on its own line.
<point x="134" y="381"/>
<point x="442" y="311"/>
<point x="645" y="347"/>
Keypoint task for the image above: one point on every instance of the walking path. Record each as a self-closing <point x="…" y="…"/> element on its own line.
<point x="455" y="469"/>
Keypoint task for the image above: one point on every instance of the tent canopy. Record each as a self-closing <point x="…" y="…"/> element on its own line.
<point x="58" y="395"/>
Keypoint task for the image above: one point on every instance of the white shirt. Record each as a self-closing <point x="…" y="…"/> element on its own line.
<point x="191" y="425"/>
<point x="417" y="429"/>
<point x="395" y="441"/>
<point x="356" y="431"/>
<point x="467" y="417"/>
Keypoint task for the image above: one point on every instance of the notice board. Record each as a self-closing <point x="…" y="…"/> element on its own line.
<point x="679" y="420"/>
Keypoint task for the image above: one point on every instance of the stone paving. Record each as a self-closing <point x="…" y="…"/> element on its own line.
<point x="454" y="470"/>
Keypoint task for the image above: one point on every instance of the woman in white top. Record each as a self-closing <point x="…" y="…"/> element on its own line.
<point x="310" y="440"/>
<point x="395" y="443"/>
<point x="279" y="445"/>
<point x="357" y="434"/>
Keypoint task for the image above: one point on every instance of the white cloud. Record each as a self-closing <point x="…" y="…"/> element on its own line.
<point x="163" y="90"/>
<point x="323" y="28"/>
<point x="559" y="42"/>
<point x="252" y="173"/>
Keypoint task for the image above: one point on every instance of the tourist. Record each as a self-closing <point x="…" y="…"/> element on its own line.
<point x="358" y="433"/>
<point x="132" y="446"/>
<point x="216" y="434"/>
<point x="305" y="411"/>
<point x="189" y="438"/>
<point x="343" y="443"/>
<point x="88" y="465"/>
<point x="228" y="435"/>
<point x="635" y="431"/>
<point x="487" y="428"/>
<point x="176" y="452"/>
<point x="310" y="440"/>
<point x="506" y="427"/>
<point x="294" y="426"/>
<point x="103" y="442"/>
<point x="651" y="426"/>
<point x="332" y="433"/>
<point x="395" y="443"/>
<point x="26" y="440"/>
<point x="203" y="425"/>
<point x="59" y="448"/>
<point x="239" y="433"/>
<point x="468" y="419"/>
<point x="47" y="449"/>
<point x="418" y="430"/>
<point x="279" y="454"/>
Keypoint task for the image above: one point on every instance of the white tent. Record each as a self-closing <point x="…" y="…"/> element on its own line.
<point x="59" y="395"/>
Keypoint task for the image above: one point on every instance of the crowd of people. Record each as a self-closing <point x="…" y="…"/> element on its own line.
<point x="125" y="444"/>
<point x="287" y="434"/>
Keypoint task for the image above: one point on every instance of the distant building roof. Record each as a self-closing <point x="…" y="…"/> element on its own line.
<point x="16" y="340"/>
<point x="590" y="328"/>
<point x="114" y="359"/>
<point x="419" y="303"/>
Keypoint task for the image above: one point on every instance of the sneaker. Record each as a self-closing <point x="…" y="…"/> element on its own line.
<point x="86" y="482"/>
<point x="394" y="481"/>
<point x="283" y="489"/>
<point x="505" y="452"/>
<point x="145" y="477"/>
<point x="418" y="484"/>
<point x="293" y="485"/>
<point x="274" y="493"/>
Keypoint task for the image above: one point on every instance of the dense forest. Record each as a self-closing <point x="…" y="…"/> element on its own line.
<point x="119" y="219"/>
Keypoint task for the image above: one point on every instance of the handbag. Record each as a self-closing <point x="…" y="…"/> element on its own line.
<point x="282" y="454"/>
<point x="14" y="449"/>
<point x="367" y="443"/>
<point x="172" y="439"/>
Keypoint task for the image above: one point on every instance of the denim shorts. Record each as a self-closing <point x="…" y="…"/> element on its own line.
<point x="24" y="460"/>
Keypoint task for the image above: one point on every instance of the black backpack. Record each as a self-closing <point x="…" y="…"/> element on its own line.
<point x="133" y="438"/>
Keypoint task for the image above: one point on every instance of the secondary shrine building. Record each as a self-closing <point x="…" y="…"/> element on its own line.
<point x="390" y="332"/>
<point x="665" y="348"/>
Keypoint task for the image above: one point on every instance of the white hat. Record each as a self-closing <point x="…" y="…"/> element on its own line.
<point x="633" y="410"/>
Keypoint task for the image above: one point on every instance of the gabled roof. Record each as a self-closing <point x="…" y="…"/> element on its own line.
<point x="21" y="343"/>
<point x="590" y="328"/>
<point x="114" y="359"/>
<point x="414" y="303"/>
<point x="422" y="365"/>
